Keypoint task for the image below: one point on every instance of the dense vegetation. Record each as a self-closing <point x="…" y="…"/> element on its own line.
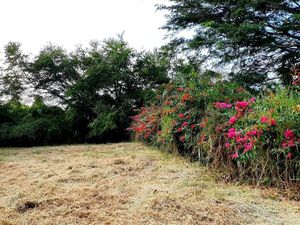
<point x="255" y="37"/>
<point x="90" y="93"/>
<point x="245" y="120"/>
<point x="219" y="123"/>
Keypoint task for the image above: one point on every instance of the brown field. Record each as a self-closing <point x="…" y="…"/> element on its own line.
<point x="126" y="183"/>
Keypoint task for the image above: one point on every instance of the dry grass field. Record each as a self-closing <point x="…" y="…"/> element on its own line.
<point x="126" y="183"/>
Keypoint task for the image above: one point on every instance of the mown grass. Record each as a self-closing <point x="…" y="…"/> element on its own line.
<point x="127" y="183"/>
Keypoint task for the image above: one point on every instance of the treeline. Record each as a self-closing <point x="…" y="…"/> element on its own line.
<point x="83" y="96"/>
<point x="89" y="95"/>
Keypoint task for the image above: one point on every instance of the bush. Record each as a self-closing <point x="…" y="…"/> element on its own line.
<point x="252" y="138"/>
<point x="36" y="125"/>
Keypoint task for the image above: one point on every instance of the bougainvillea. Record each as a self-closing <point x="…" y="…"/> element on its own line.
<point x="253" y="137"/>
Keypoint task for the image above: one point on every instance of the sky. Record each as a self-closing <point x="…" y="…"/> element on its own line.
<point x="69" y="23"/>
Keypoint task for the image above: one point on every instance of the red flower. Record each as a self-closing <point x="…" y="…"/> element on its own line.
<point x="179" y="129"/>
<point x="181" y="115"/>
<point x="251" y="133"/>
<point x="185" y="124"/>
<point x="232" y="120"/>
<point x="240" y="139"/>
<point x="193" y="126"/>
<point x="264" y="119"/>
<point x="227" y="145"/>
<point x="185" y="97"/>
<point x="291" y="143"/>
<point x="289" y="134"/>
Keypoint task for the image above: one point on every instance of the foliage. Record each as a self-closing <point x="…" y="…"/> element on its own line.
<point x="36" y="125"/>
<point x="95" y="90"/>
<point x="13" y="77"/>
<point x="257" y="37"/>
<point x="220" y="123"/>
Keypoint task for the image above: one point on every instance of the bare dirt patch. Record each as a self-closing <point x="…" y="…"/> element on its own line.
<point x="126" y="183"/>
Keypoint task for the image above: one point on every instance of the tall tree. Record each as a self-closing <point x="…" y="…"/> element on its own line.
<point x="116" y="79"/>
<point x="52" y="72"/>
<point x="259" y="37"/>
<point x="13" y="77"/>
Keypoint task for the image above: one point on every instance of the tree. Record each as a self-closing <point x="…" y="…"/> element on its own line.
<point x="115" y="81"/>
<point x="53" y="72"/>
<point x="13" y="78"/>
<point x="258" y="37"/>
<point x="95" y="91"/>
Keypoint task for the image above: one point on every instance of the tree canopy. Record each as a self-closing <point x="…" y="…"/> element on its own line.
<point x="259" y="37"/>
<point x="95" y="90"/>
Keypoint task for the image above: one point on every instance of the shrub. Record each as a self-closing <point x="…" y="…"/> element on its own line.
<point x="219" y="123"/>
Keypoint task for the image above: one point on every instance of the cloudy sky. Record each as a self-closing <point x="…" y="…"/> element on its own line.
<point x="68" y="23"/>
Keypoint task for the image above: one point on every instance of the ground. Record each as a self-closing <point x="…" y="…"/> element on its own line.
<point x="126" y="183"/>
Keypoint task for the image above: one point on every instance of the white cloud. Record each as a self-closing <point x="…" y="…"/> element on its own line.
<point x="35" y="23"/>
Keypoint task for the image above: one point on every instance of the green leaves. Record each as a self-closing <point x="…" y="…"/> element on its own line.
<point x="258" y="37"/>
<point x="105" y="122"/>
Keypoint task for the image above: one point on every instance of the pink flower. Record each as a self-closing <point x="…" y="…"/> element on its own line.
<point x="179" y="129"/>
<point x="235" y="155"/>
<point x="284" y="144"/>
<point x="181" y="115"/>
<point x="182" y="138"/>
<point x="252" y="100"/>
<point x="289" y="134"/>
<point x="232" y="129"/>
<point x="232" y="120"/>
<point x="185" y="124"/>
<point x="193" y="126"/>
<point x="180" y="89"/>
<point x="240" y="139"/>
<point x="291" y="143"/>
<point x="251" y="133"/>
<point x="264" y="119"/>
<point x="231" y="133"/>
<point x="222" y="105"/>
<point x="289" y="155"/>
<point x="240" y="106"/>
<point x="218" y="129"/>
<point x="227" y="145"/>
<point x="248" y="147"/>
